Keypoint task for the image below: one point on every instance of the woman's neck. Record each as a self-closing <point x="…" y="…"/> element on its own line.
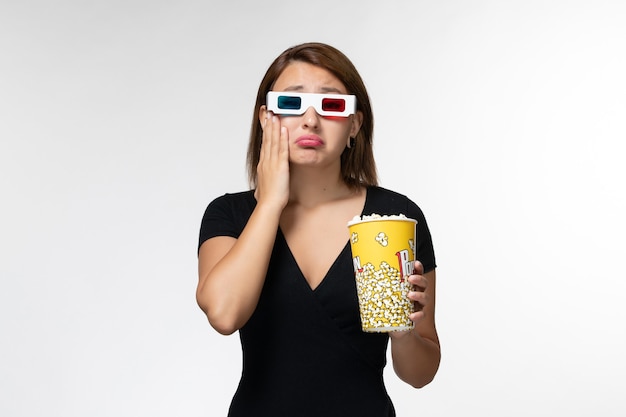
<point x="312" y="187"/>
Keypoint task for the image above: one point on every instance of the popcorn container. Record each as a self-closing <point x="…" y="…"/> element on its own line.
<point x="383" y="254"/>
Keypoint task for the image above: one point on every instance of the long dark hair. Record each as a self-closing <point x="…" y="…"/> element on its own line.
<point x="358" y="167"/>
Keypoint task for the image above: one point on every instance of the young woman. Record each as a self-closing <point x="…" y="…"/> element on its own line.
<point x="275" y="261"/>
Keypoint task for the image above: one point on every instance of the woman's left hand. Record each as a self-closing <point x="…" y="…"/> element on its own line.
<point x="417" y="295"/>
<point x="416" y="353"/>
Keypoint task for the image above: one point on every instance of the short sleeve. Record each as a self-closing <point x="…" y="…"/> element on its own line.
<point x="226" y="215"/>
<point x="425" y="249"/>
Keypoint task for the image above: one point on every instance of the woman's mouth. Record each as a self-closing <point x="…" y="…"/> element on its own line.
<point x="309" y="141"/>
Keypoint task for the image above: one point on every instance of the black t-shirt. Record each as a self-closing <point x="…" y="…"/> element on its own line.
<point x="304" y="353"/>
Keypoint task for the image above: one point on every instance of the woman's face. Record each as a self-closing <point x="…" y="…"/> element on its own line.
<point x="314" y="139"/>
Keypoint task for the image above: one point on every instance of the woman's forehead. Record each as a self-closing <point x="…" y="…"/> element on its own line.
<point x="305" y="77"/>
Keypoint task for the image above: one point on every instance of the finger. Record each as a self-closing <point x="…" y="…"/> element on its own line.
<point x="416" y="316"/>
<point x="418" y="268"/>
<point x="275" y="133"/>
<point x="419" y="298"/>
<point x="418" y="281"/>
<point x="271" y="138"/>
<point x="284" y="143"/>
<point x="265" y="138"/>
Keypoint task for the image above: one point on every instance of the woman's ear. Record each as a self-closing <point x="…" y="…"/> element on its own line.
<point x="262" y="115"/>
<point x="357" y="121"/>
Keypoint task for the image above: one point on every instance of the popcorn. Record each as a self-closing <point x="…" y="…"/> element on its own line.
<point x="382" y="239"/>
<point x="374" y="216"/>
<point x="383" y="298"/>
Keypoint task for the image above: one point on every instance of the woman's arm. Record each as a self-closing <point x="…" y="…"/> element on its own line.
<point x="416" y="353"/>
<point x="232" y="271"/>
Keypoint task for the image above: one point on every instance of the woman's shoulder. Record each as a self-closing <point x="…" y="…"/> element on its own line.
<point x="227" y="215"/>
<point x="381" y="192"/>
<point x="235" y="198"/>
<point x="383" y="201"/>
<point x="241" y="203"/>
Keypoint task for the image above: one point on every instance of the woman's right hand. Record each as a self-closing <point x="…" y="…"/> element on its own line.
<point x="273" y="168"/>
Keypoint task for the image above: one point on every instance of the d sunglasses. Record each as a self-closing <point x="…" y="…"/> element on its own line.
<point x="291" y="103"/>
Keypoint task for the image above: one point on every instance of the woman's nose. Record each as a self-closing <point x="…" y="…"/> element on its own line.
<point x="310" y="118"/>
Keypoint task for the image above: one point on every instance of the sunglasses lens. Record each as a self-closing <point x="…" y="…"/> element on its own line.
<point x="334" y="104"/>
<point x="289" y="103"/>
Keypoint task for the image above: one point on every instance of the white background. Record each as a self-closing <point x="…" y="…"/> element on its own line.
<point x="120" y="121"/>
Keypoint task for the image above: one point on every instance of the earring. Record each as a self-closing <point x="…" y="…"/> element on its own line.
<point x="351" y="142"/>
